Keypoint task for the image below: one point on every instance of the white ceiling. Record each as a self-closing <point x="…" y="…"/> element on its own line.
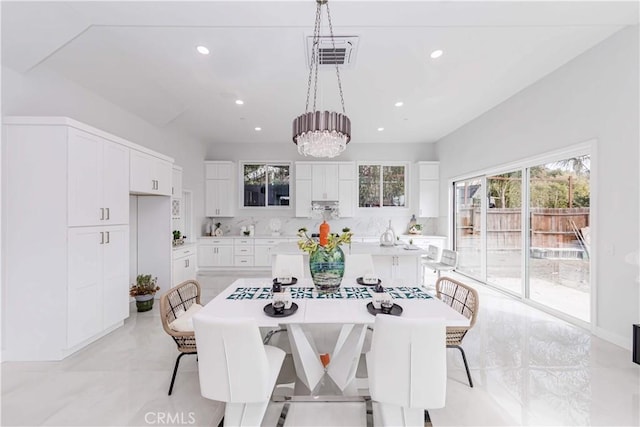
<point x="141" y="56"/>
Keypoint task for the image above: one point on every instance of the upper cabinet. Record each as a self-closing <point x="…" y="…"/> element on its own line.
<point x="219" y="189"/>
<point x="176" y="183"/>
<point x="150" y="175"/>
<point x="98" y="185"/>
<point x="330" y="181"/>
<point x="324" y="182"/>
<point x="428" y="189"/>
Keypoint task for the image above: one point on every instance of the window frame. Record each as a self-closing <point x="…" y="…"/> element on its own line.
<point x="266" y="163"/>
<point x="385" y="209"/>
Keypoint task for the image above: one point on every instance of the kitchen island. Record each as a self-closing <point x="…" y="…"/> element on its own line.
<point x="401" y="265"/>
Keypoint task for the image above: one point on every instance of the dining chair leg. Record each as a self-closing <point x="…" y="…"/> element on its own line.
<point x="175" y="370"/>
<point x="466" y="366"/>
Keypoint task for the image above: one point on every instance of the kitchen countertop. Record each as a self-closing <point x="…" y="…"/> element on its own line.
<point x="293" y="236"/>
<point x="356" y="248"/>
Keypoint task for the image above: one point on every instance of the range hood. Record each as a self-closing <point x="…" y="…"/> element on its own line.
<point x="325" y="209"/>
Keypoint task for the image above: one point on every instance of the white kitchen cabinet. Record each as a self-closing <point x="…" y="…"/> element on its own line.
<point x="98" y="280"/>
<point x="184" y="264"/>
<point x="176" y="182"/>
<point x="150" y="174"/>
<point x="303" y="198"/>
<point x="98" y="185"/>
<point x="403" y="270"/>
<point x="428" y="189"/>
<point x="215" y="253"/>
<point x="262" y="250"/>
<point x="324" y="181"/>
<point x="219" y="189"/>
<point x="243" y="252"/>
<point x="347" y="190"/>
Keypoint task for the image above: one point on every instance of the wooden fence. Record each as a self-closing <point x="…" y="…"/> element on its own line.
<point x="551" y="227"/>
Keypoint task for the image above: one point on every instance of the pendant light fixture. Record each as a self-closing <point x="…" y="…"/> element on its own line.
<point x="321" y="133"/>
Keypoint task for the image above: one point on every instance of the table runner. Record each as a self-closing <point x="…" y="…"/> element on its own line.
<point x="302" y="292"/>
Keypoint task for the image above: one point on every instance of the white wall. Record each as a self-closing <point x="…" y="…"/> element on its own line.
<point x="42" y="93"/>
<point x="595" y="96"/>
<point x="354" y="152"/>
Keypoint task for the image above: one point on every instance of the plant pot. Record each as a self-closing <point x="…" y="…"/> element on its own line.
<point x="144" y="302"/>
<point x="327" y="269"/>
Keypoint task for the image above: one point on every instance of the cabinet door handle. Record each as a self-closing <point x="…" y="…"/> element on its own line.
<point x="186" y="263"/>
<point x="108" y="237"/>
<point x="108" y="214"/>
<point x="101" y="214"/>
<point x="102" y="238"/>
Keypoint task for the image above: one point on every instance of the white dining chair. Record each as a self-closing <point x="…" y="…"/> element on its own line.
<point x="235" y="367"/>
<point x="407" y="369"/>
<point x="357" y="265"/>
<point x="288" y="265"/>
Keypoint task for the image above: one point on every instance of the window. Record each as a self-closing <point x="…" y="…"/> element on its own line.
<point x="381" y="185"/>
<point x="265" y="184"/>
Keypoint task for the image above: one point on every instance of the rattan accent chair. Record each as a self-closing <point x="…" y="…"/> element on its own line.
<point x="173" y="303"/>
<point x="463" y="299"/>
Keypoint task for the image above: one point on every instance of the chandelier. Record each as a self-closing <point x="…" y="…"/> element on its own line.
<point x="321" y="133"/>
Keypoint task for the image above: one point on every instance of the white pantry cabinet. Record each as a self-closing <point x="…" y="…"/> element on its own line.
<point x="219" y="189"/>
<point x="98" y="189"/>
<point x="57" y="172"/>
<point x="150" y="174"/>
<point x="98" y="280"/>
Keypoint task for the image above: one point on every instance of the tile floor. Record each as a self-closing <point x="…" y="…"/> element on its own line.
<point x="529" y="368"/>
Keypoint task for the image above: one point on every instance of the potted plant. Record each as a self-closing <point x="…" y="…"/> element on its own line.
<point x="144" y="290"/>
<point x="177" y="238"/>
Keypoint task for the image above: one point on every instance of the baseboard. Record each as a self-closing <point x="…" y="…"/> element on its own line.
<point x="620" y="341"/>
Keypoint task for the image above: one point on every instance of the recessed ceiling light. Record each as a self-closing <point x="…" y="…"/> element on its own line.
<point x="258" y="129"/>
<point x="399" y="104"/>
<point x="380" y="129"/>
<point x="203" y="50"/>
<point x="436" y="54"/>
<point x="239" y="101"/>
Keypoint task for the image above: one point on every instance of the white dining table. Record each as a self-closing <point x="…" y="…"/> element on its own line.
<point x="247" y="297"/>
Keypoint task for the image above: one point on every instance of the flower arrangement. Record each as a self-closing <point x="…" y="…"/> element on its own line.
<point x="310" y="245"/>
<point x="145" y="285"/>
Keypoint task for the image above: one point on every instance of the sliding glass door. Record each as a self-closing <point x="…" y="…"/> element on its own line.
<point x="549" y="263"/>
<point x="504" y="231"/>
<point x="559" y="198"/>
<point x="468" y="226"/>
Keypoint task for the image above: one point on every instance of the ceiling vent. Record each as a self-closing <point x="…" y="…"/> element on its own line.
<point x="344" y="53"/>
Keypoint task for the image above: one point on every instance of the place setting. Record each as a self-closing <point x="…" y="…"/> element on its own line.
<point x="382" y="303"/>
<point x="282" y="304"/>
<point x="285" y="280"/>
<point x="368" y="280"/>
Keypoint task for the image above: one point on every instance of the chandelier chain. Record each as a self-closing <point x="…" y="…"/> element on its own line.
<point x="333" y="41"/>
<point x="313" y="65"/>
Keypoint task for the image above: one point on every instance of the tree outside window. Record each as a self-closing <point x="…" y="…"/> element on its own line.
<point x="381" y="185"/>
<point x="266" y="184"/>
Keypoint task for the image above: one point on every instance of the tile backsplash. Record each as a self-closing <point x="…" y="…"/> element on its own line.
<point x="370" y="226"/>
